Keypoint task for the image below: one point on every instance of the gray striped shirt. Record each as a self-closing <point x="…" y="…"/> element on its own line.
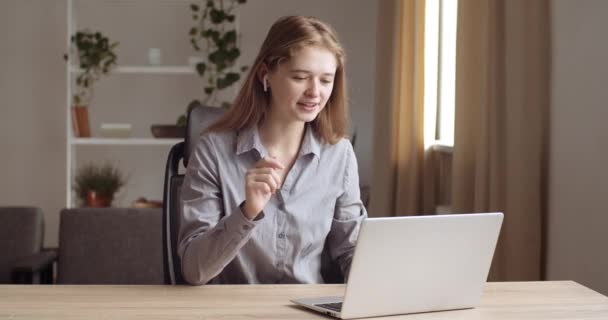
<point x="318" y="201"/>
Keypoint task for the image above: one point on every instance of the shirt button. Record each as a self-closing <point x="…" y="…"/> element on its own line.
<point x="246" y="227"/>
<point x="281" y="235"/>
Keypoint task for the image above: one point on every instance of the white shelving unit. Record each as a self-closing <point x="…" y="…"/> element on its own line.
<point x="148" y="70"/>
<point x="74" y="142"/>
<point x="125" y="141"/>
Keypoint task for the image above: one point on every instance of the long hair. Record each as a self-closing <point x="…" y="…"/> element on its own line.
<point x="286" y="36"/>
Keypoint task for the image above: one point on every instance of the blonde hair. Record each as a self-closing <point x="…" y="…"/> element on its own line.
<point x="286" y="36"/>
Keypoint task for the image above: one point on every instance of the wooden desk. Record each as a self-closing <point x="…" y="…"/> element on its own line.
<point x="516" y="300"/>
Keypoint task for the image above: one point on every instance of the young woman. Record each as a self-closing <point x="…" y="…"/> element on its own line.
<point x="274" y="181"/>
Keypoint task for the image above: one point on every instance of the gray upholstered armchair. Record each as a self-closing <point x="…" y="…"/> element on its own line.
<point x="110" y="246"/>
<point x="23" y="259"/>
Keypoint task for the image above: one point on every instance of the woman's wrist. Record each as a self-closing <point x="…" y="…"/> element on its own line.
<point x="248" y="211"/>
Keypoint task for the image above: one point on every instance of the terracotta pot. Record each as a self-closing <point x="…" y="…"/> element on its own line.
<point x="96" y="200"/>
<point x="80" y="121"/>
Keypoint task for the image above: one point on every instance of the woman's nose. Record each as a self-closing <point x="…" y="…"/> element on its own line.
<point x="313" y="88"/>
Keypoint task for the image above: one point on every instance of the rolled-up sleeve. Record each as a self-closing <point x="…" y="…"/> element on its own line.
<point x="208" y="239"/>
<point x="348" y="215"/>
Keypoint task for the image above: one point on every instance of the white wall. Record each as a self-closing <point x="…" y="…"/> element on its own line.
<point x="578" y="207"/>
<point x="33" y="91"/>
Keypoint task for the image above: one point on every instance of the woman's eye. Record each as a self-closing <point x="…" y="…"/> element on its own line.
<point x="325" y="81"/>
<point x="299" y="78"/>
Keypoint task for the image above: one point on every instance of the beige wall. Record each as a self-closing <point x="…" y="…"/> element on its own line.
<point x="578" y="210"/>
<point x="32" y="104"/>
<point x="33" y="90"/>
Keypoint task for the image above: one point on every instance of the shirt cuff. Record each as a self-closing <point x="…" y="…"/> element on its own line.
<point x="240" y="223"/>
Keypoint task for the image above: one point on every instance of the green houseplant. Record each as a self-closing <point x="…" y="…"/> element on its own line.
<point x="95" y="185"/>
<point x="96" y="57"/>
<point x="214" y="38"/>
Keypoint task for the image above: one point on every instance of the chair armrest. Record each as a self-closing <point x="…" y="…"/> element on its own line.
<point x="36" y="262"/>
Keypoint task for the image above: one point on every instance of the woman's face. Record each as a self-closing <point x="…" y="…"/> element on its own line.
<point x="301" y="86"/>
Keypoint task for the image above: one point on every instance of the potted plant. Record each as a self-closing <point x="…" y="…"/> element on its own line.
<point x="96" y="57"/>
<point x="96" y="185"/>
<point x="215" y="40"/>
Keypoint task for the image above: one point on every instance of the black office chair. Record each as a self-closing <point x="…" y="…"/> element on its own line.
<point x="199" y="118"/>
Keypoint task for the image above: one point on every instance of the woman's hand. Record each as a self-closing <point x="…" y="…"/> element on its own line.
<point x="261" y="182"/>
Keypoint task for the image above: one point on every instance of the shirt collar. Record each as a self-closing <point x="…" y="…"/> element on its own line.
<point x="311" y="143"/>
<point x="249" y="139"/>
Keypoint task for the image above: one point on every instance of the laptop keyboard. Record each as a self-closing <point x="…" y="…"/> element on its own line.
<point x="331" y="306"/>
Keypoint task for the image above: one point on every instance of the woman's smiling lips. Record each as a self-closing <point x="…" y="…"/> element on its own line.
<point x="308" y="106"/>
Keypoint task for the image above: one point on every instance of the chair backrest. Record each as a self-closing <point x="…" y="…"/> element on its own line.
<point x="199" y="118"/>
<point x="21" y="235"/>
<point x="110" y="246"/>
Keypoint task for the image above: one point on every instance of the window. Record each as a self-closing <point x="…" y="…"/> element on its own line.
<point x="439" y="71"/>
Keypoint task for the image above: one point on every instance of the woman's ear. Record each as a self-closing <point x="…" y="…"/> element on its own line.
<point x="262" y="73"/>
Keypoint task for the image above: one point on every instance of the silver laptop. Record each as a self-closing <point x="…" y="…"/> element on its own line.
<point x="416" y="264"/>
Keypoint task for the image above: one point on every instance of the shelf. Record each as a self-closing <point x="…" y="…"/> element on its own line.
<point x="82" y="148"/>
<point x="125" y="141"/>
<point x="147" y="70"/>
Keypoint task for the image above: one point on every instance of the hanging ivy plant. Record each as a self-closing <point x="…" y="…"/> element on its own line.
<point x="96" y="57"/>
<point x="214" y="37"/>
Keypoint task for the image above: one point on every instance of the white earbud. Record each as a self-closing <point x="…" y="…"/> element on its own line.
<point x="265" y="83"/>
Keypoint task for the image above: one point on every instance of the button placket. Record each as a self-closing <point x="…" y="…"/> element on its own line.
<point x="280" y="234"/>
<point x="292" y="175"/>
